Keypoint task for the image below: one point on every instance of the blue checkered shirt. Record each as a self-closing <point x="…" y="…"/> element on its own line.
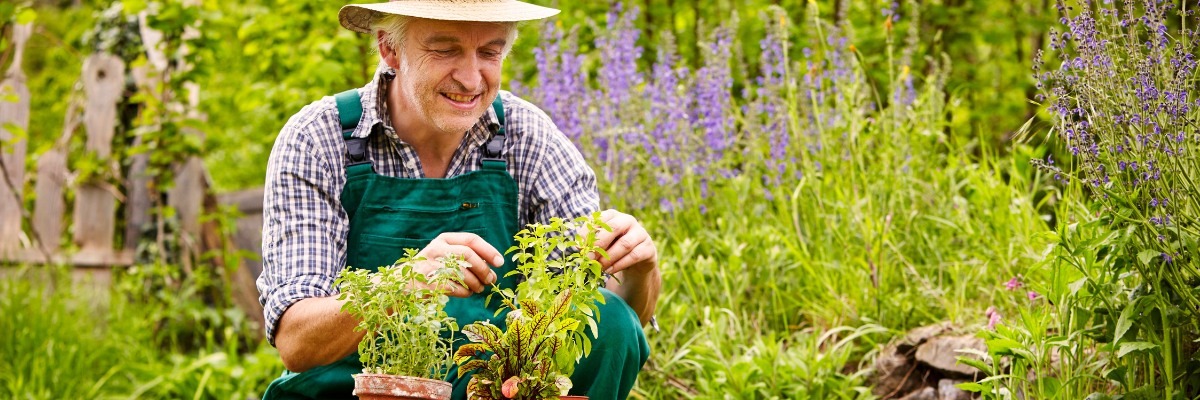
<point x="305" y="227"/>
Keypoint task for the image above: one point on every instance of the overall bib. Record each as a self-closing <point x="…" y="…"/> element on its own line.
<point x="388" y="215"/>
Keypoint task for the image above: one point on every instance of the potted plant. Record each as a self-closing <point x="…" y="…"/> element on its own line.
<point x="403" y="353"/>
<point x="550" y="313"/>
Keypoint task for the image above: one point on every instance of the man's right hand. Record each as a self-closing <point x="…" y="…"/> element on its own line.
<point x="476" y="274"/>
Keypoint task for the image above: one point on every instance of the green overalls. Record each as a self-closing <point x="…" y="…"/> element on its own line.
<point x="388" y="215"/>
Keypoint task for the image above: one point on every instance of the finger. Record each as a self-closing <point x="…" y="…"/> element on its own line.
<point x="624" y="246"/>
<point x="450" y="288"/>
<point x="477" y="244"/>
<point x="472" y="282"/>
<point x="609" y="214"/>
<point x="619" y="223"/>
<point x="644" y="252"/>
<point x="475" y="266"/>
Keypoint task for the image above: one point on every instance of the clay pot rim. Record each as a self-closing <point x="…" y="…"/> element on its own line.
<point x="405" y="377"/>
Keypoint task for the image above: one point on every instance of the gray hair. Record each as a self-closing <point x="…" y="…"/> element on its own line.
<point x="395" y="27"/>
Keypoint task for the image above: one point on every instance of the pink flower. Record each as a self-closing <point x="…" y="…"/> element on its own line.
<point x="509" y="388"/>
<point x="1014" y="283"/>
<point x="1033" y="295"/>
<point x="993" y="317"/>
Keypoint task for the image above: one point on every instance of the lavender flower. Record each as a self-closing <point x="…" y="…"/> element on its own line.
<point x="712" y="111"/>
<point x="1130" y="125"/>
<point x="618" y="77"/>
<point x="562" y="80"/>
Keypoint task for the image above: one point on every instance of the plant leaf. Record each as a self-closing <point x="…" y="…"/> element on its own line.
<point x="971" y="387"/>
<point x="1130" y="347"/>
<point x="1124" y="322"/>
<point x="1146" y="256"/>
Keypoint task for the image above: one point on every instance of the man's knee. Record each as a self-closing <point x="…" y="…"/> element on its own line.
<point x="620" y="333"/>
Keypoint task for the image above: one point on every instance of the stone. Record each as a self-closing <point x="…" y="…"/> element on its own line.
<point x="917" y="336"/>
<point x="926" y="393"/>
<point x="940" y="353"/>
<point x="894" y="374"/>
<point x="947" y="391"/>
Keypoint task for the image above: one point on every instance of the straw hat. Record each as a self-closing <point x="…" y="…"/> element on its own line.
<point x="358" y="17"/>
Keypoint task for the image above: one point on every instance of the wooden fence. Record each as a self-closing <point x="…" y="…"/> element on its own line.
<point x="94" y="214"/>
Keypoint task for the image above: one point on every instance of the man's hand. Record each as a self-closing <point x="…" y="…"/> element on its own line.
<point x="633" y="259"/>
<point x="474" y="250"/>
<point x="628" y="244"/>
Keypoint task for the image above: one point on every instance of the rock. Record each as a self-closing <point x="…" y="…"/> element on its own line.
<point x="940" y="353"/>
<point x="917" y="336"/>
<point x="947" y="391"/>
<point x="927" y="393"/>
<point x="894" y="374"/>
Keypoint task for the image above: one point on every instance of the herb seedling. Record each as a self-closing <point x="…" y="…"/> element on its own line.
<point x="550" y="313"/>
<point x="402" y="313"/>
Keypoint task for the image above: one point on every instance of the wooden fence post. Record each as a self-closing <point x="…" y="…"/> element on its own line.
<point x="12" y="154"/>
<point x="95" y="205"/>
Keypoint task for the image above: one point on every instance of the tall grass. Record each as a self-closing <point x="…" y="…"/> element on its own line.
<point x="804" y="221"/>
<point x="67" y="341"/>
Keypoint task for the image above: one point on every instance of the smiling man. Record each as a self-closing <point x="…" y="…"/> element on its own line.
<point x="432" y="155"/>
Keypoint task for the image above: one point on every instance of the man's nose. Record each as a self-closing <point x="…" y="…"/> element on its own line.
<point x="469" y="74"/>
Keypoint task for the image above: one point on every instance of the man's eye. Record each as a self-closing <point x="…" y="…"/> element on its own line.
<point x="443" y="52"/>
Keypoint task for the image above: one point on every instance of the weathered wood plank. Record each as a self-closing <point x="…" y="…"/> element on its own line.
<point x="95" y="206"/>
<point x="242" y="271"/>
<point x="249" y="226"/>
<point x="137" y="199"/>
<point x="121" y="258"/>
<point x="12" y="155"/>
<point x="50" y="208"/>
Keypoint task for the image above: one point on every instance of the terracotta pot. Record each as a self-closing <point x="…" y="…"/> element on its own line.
<point x="392" y="387"/>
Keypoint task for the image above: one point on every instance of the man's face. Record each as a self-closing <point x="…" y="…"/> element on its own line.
<point x="448" y="73"/>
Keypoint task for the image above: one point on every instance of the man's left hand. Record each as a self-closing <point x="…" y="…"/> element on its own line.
<point x="628" y="244"/>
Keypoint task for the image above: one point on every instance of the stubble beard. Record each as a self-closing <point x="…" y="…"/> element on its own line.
<point x="429" y="104"/>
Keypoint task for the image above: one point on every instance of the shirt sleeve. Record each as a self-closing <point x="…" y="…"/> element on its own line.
<point x="564" y="185"/>
<point x="304" y="225"/>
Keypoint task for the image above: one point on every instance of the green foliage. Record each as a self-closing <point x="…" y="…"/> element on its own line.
<point x="401" y="312"/>
<point x="78" y="340"/>
<point x="550" y="313"/>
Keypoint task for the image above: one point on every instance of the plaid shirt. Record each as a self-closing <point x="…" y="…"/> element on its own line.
<point x="305" y="227"/>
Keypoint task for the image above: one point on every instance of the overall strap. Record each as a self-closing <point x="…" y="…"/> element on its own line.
<point x="493" y="151"/>
<point x="350" y="111"/>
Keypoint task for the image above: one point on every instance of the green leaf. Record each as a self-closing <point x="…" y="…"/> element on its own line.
<point x="1118" y="375"/>
<point x="1146" y="256"/>
<point x="1002" y="346"/>
<point x="1049" y="386"/>
<point x="134" y="6"/>
<point x="595" y="330"/>
<point x="971" y="387"/>
<point x="1130" y="347"/>
<point x="1124" y="322"/>
<point x="979" y="365"/>
<point x="26" y="16"/>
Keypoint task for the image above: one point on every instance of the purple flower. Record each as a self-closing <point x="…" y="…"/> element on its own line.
<point x="1032" y="295"/>
<point x="713" y="107"/>
<point x="562" y="80"/>
<point x="993" y="317"/>
<point x="618" y="77"/>
<point x="1014" y="283"/>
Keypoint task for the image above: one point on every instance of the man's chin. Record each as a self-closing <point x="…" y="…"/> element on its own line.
<point x="455" y="127"/>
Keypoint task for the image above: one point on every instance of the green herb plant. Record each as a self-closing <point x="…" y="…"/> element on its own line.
<point x="550" y="313"/>
<point x="402" y="312"/>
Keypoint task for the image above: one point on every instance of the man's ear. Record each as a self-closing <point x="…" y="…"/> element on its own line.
<point x="387" y="53"/>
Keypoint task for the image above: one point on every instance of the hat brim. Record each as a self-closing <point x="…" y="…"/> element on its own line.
<point x="358" y="17"/>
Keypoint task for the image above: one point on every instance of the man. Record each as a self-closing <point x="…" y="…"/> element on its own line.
<point x="431" y="154"/>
